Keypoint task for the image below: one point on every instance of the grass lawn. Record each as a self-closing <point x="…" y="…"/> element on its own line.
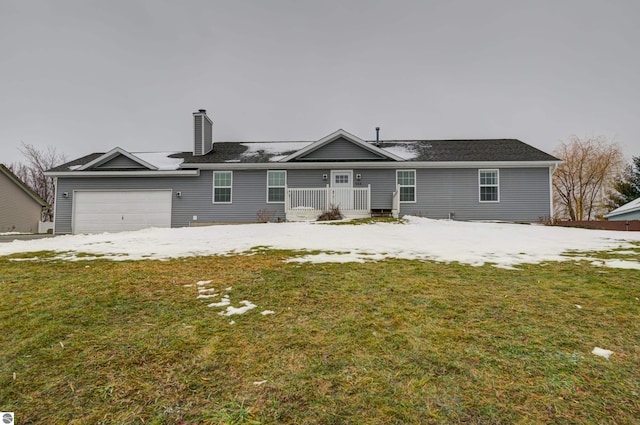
<point x="392" y="342"/>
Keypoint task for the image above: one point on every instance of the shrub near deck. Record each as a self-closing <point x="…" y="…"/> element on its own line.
<point x="388" y="342"/>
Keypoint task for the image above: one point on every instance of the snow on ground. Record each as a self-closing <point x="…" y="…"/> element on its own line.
<point x="505" y="245"/>
<point x="602" y="352"/>
<point x="225" y="301"/>
<point x="247" y="305"/>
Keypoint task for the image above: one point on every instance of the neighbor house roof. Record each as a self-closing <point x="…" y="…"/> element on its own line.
<point x="23" y="186"/>
<point x="629" y="207"/>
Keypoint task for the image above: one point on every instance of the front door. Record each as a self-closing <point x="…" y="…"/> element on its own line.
<point x="342" y="183"/>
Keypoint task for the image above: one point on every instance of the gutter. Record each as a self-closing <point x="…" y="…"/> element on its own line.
<point x="167" y="173"/>
<point x="371" y="165"/>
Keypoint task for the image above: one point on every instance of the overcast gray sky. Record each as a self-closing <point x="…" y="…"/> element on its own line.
<point x="87" y="76"/>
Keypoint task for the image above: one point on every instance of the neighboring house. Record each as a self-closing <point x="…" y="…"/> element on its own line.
<point x="226" y="182"/>
<point x="21" y="209"/>
<point x="628" y="211"/>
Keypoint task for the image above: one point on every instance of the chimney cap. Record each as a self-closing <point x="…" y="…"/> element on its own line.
<point x="200" y="111"/>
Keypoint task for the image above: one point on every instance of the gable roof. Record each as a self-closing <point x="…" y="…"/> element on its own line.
<point x="158" y="161"/>
<point x="340" y="134"/>
<point x="624" y="209"/>
<point x="23" y="186"/>
<point x="113" y="153"/>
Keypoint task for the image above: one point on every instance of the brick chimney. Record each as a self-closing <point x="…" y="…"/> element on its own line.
<point x="202" y="133"/>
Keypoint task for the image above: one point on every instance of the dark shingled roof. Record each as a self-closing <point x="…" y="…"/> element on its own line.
<point x="418" y="150"/>
<point x="471" y="150"/>
<point x="412" y="150"/>
<point x="77" y="162"/>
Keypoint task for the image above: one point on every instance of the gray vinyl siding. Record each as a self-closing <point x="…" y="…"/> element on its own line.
<point x="197" y="134"/>
<point x="340" y="149"/>
<point x="19" y="212"/>
<point x="249" y="195"/>
<point x="120" y="162"/>
<point x="308" y="178"/>
<point x="181" y="211"/>
<point x="383" y="184"/>
<point x="524" y="195"/>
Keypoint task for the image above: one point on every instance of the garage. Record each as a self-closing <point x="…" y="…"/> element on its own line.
<point x="122" y="210"/>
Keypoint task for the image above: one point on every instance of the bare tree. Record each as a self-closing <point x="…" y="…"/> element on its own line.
<point x="32" y="173"/>
<point x="583" y="182"/>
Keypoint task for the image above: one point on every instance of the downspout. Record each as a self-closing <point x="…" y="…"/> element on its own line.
<point x="552" y="170"/>
<point x="55" y="203"/>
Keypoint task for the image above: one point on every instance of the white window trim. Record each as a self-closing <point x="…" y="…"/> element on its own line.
<point x="415" y="187"/>
<point x="480" y="186"/>
<point x="213" y="194"/>
<point x="275" y="187"/>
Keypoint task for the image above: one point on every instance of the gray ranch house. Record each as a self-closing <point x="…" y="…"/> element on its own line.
<point x="231" y="182"/>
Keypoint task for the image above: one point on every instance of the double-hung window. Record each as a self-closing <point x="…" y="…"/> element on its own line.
<point x="406" y="181"/>
<point x="222" y="183"/>
<point x="489" y="182"/>
<point x="276" y="183"/>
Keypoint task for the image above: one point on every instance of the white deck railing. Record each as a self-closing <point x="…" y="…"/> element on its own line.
<point x="308" y="203"/>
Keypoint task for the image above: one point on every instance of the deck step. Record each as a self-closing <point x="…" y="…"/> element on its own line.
<point x="381" y="213"/>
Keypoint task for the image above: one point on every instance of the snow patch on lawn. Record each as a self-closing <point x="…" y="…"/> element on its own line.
<point x="602" y="352"/>
<point x="238" y="310"/>
<point x="224" y="302"/>
<point x="617" y="264"/>
<point x="504" y="245"/>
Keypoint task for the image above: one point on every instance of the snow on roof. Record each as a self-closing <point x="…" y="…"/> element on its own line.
<point x="405" y="150"/>
<point x="161" y="160"/>
<point x="626" y="208"/>
<point x="505" y="245"/>
<point x="272" y="148"/>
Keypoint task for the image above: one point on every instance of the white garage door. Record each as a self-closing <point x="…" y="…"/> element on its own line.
<point x="118" y="211"/>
